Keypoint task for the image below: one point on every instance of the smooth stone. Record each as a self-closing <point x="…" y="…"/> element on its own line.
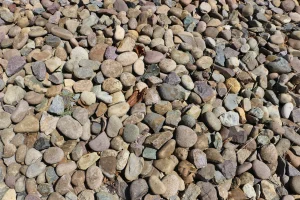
<point x="134" y="167"/>
<point x="155" y="121"/>
<point x="261" y="170"/>
<point x="87" y="160"/>
<point x="152" y="57"/>
<point x="94" y="177"/>
<point x="156" y="185"/>
<point x="171" y="92"/>
<point x="113" y="126"/>
<point x="29" y="124"/>
<point x="185" y="136"/>
<point x="167" y="65"/>
<point x="180" y="57"/>
<point x="286" y="110"/>
<point x="66" y="168"/>
<point x="127" y="58"/>
<point x="35" y="169"/>
<point x="280" y="65"/>
<point x="53" y="155"/>
<point x="5" y="119"/>
<point x="171" y="183"/>
<point x="69" y="127"/>
<point x="100" y="143"/>
<point x="13" y="95"/>
<point x="138" y="189"/>
<point x="62" y="33"/>
<point x="212" y="121"/>
<point x="119" y="109"/>
<point x="130" y="133"/>
<point x="111" y="68"/>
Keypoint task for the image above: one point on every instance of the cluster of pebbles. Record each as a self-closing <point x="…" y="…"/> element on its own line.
<point x="150" y="100"/>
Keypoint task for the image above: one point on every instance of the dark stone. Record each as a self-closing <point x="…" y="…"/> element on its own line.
<point x="228" y="168"/>
<point x="172" y="79"/>
<point x="238" y="134"/>
<point x="42" y="143"/>
<point x="171" y="92"/>
<point x="39" y="70"/>
<point x="204" y="90"/>
<point x="14" y="65"/>
<point x="280" y="66"/>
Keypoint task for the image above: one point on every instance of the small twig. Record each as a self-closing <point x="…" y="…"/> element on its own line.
<point x="249" y="142"/>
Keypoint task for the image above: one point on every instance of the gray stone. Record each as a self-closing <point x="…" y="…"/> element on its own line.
<point x="155" y="121"/>
<point x="279" y="65"/>
<point x="57" y="106"/>
<point x="171" y="92"/>
<point x="69" y="127"/>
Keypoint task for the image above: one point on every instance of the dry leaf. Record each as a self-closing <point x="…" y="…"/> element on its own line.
<point x="136" y="97"/>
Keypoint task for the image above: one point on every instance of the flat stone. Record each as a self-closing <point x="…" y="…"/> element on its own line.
<point x="94" y="177"/>
<point x="100" y="143"/>
<point x="185" y="136"/>
<point x="5" y="120"/>
<point x="14" y="65"/>
<point x="29" y="124"/>
<point x="62" y="33"/>
<point x="170" y="92"/>
<point x="155" y="121"/>
<point x="69" y="127"/>
<point x="279" y="65"/>
<point x="204" y="90"/>
<point x="261" y="170"/>
<point x="134" y="167"/>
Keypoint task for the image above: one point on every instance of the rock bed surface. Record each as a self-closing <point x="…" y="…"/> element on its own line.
<point x="151" y="100"/>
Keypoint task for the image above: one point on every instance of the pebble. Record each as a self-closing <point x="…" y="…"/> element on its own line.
<point x="111" y="68"/>
<point x="94" y="177"/>
<point x="156" y="185"/>
<point x="138" y="189"/>
<point x="185" y="136"/>
<point x="53" y="155"/>
<point x="261" y="170"/>
<point x="167" y="65"/>
<point x="171" y="183"/>
<point x="149" y="100"/>
<point x="69" y="127"/>
<point x="212" y="121"/>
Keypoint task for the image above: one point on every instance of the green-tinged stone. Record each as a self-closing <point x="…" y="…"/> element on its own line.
<point x="149" y="153"/>
<point x="152" y="70"/>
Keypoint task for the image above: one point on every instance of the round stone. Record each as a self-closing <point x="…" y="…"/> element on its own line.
<point x="233" y="85"/>
<point x="127" y="79"/>
<point x="131" y="133"/>
<point x="112" y="85"/>
<point x="185" y="136"/>
<point x="261" y="170"/>
<point x="53" y="155"/>
<point x="69" y="127"/>
<point x="204" y="62"/>
<point x="167" y="65"/>
<point x="212" y="121"/>
<point x="127" y="58"/>
<point x="88" y="98"/>
<point x="111" y="68"/>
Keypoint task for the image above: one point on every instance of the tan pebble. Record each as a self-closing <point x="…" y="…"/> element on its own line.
<point x="233" y="85"/>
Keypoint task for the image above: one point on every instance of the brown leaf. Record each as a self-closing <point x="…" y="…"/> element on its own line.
<point x="139" y="50"/>
<point x="136" y="97"/>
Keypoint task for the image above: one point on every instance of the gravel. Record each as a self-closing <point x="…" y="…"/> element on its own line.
<point x="149" y="100"/>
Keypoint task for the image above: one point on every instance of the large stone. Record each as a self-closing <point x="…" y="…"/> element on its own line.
<point x="14" y="65"/>
<point x="29" y="124"/>
<point x="69" y="127"/>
